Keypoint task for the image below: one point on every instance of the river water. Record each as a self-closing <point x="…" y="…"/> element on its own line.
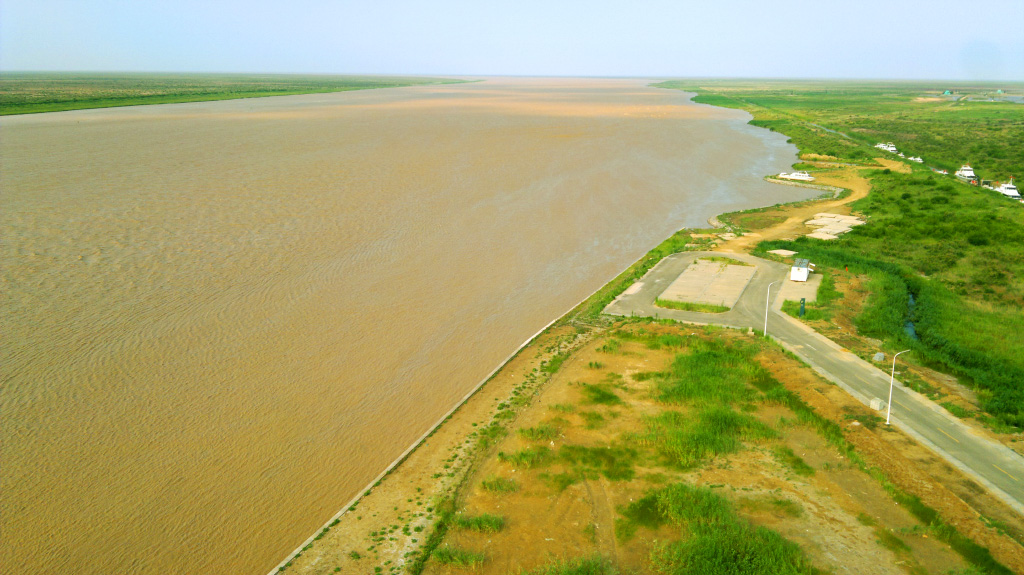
<point x="220" y="320"/>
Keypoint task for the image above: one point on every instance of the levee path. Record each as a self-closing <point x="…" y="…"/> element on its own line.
<point x="988" y="462"/>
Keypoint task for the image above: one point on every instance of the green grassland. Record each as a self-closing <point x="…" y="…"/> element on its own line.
<point x="944" y="255"/>
<point x="845" y="119"/>
<point x="33" y="92"/>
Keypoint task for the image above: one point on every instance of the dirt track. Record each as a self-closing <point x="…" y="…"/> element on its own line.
<point x="793" y="226"/>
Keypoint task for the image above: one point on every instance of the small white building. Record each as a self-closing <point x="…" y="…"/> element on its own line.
<point x="801" y="269"/>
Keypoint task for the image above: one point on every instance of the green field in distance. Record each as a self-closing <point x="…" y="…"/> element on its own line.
<point x="33" y="92"/>
<point x="944" y="260"/>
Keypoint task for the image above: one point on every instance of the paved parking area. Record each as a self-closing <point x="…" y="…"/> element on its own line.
<point x="710" y="282"/>
<point x="793" y="291"/>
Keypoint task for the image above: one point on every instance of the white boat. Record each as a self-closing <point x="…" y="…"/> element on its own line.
<point x="1009" y="190"/>
<point x="916" y="159"/>
<point x="888" y="147"/>
<point x="802" y="176"/>
<point x="901" y="155"/>
<point x="966" y="173"/>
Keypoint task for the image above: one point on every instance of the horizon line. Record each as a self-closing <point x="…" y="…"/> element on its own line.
<point x="491" y="75"/>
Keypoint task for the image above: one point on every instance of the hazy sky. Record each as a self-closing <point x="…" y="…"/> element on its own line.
<point x="973" y="39"/>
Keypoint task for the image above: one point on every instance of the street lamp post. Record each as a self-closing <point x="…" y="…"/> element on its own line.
<point x="767" y="297"/>
<point x="892" y="378"/>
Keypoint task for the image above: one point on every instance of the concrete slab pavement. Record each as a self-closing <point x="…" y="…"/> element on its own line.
<point x="710" y="282"/>
<point x="793" y="291"/>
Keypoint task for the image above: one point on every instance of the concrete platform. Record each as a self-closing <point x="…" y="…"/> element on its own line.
<point x="793" y="291"/>
<point x="830" y="226"/>
<point x="713" y="283"/>
<point x="822" y="236"/>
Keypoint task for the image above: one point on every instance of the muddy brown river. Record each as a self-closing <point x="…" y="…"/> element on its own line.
<point x="220" y="320"/>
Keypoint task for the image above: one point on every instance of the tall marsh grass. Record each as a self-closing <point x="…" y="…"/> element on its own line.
<point x="484" y="523"/>
<point x="458" y="557"/>
<point x="543" y="432"/>
<point x="615" y="463"/>
<point x="716" y="542"/>
<point x="531" y="457"/>
<point x="691" y="306"/>
<point x="500" y="485"/>
<point x="686" y="441"/>
<point x="712" y="372"/>
<point x="599" y="394"/>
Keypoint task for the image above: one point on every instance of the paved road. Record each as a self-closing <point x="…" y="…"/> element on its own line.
<point x="988" y="462"/>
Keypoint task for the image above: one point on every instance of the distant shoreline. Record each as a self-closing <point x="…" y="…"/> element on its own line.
<point x="42" y="92"/>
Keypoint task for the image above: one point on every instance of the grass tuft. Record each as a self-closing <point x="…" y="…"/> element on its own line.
<point x="500" y="485"/>
<point x="555" y="363"/>
<point x="720" y="543"/>
<point x="890" y="541"/>
<point x="580" y="566"/>
<point x="530" y="458"/>
<point x="689" y="306"/>
<point x="711" y="372"/>
<point x="491" y="433"/>
<point x="457" y="557"/>
<point x="793" y="461"/>
<point x="615" y="463"/>
<point x="484" y="523"/>
<point x="543" y="432"/>
<point x="774" y="505"/>
<point x="599" y="394"/>
<point x="687" y="441"/>
<point x="560" y="481"/>
<point x="592" y="420"/>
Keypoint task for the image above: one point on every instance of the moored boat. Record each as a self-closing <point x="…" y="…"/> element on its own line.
<point x="802" y="176"/>
<point x="966" y="173"/>
<point x="1009" y="190"/>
